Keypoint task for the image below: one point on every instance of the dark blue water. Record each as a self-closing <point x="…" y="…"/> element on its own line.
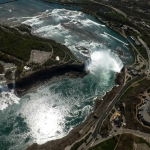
<point x="3" y="1"/>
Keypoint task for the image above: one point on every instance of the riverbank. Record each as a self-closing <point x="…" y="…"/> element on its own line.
<point x="60" y="77"/>
<point x="79" y="131"/>
<point x="89" y="12"/>
<point x="32" y="82"/>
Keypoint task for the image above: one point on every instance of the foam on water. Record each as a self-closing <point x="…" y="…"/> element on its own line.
<point x="47" y="112"/>
<point x="44" y="119"/>
<point x="104" y="60"/>
<point x="54" y="109"/>
<point x="88" y="22"/>
<point x="33" y="21"/>
<point x="7" y="97"/>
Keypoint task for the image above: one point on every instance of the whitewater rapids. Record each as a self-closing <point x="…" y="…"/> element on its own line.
<point x="54" y="109"/>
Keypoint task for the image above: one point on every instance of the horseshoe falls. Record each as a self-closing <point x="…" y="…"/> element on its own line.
<point x="55" y="108"/>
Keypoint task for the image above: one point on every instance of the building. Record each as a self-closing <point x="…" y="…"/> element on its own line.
<point x="26" y="68"/>
<point x="144" y="111"/>
<point x="57" y="58"/>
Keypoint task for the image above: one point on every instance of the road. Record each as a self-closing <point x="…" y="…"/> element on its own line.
<point x="145" y="136"/>
<point x="147" y="49"/>
<point x="115" y="9"/>
<point x="93" y="142"/>
<point x="97" y="129"/>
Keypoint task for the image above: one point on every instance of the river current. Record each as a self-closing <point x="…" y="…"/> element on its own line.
<point x="55" y="108"/>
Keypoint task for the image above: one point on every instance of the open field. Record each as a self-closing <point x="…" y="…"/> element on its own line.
<point x="39" y="56"/>
<point x="78" y="144"/>
<point x="127" y="142"/>
<point x="106" y="145"/>
<point x="121" y="142"/>
<point x="130" y="98"/>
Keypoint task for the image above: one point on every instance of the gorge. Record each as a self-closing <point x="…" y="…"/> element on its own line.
<point x="54" y="109"/>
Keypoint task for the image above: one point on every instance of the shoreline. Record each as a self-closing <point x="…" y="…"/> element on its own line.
<point x="32" y="82"/>
<point x="75" y="133"/>
<point x="56" y="78"/>
<point x="81" y="130"/>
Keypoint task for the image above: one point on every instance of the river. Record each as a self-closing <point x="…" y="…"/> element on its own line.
<point x="55" y="108"/>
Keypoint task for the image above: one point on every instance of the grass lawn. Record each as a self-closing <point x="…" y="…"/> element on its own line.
<point x="130" y="98"/>
<point x="142" y="51"/>
<point x="106" y="145"/>
<point x="78" y="144"/>
<point x="127" y="141"/>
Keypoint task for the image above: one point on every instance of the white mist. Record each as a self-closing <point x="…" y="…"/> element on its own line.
<point x="105" y="60"/>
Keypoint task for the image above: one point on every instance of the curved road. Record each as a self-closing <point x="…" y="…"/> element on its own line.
<point x="96" y="131"/>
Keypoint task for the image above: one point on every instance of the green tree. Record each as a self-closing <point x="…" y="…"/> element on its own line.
<point x="8" y="74"/>
<point x="1" y="68"/>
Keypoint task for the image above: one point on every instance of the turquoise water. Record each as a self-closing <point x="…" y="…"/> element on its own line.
<point x="55" y="108"/>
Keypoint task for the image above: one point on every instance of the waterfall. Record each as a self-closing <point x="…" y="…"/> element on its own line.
<point x="105" y="60"/>
<point x="7" y="97"/>
<point x="117" y="59"/>
<point x="87" y="62"/>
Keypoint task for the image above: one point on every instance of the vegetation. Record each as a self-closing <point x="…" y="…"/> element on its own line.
<point x="16" y="48"/>
<point x="106" y="127"/>
<point x="18" y="71"/>
<point x="145" y="38"/>
<point x="9" y="59"/>
<point x="20" y="45"/>
<point x="67" y="58"/>
<point x="51" y="62"/>
<point x="113" y="111"/>
<point x="24" y="28"/>
<point x="130" y="98"/>
<point x="78" y="144"/>
<point x="140" y="48"/>
<point x="106" y="145"/>
<point x="120" y="142"/>
<point x="8" y="74"/>
<point x="127" y="142"/>
<point x="130" y="32"/>
<point x="129" y="79"/>
<point x="132" y="7"/>
<point x="148" y="90"/>
<point x="1" y="68"/>
<point x="115" y="17"/>
<point x="125" y="93"/>
<point x="142" y="51"/>
<point x="143" y="67"/>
